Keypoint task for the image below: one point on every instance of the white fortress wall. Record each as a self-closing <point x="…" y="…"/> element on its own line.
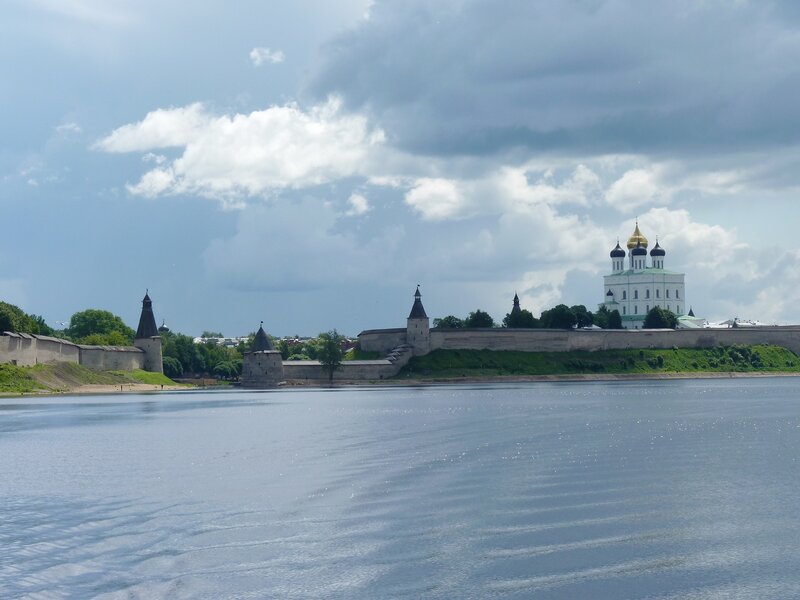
<point x="27" y="350"/>
<point x="381" y="340"/>
<point x="112" y="358"/>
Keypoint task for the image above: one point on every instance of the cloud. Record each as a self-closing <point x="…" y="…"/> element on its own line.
<point x="68" y="128"/>
<point x="260" y="56"/>
<point x="359" y="205"/>
<point x="436" y="199"/>
<point x="241" y="155"/>
<point x="291" y="245"/>
<point x="588" y="78"/>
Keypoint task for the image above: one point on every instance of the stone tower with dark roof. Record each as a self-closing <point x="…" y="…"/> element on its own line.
<point x="418" y="329"/>
<point x="262" y="366"/>
<point x="148" y="338"/>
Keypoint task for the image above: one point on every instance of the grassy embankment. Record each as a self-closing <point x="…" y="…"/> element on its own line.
<point x="444" y="364"/>
<point x="62" y="377"/>
<point x="359" y="354"/>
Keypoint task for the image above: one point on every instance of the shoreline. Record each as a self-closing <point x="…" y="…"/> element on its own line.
<point x="138" y="388"/>
<point x="567" y="378"/>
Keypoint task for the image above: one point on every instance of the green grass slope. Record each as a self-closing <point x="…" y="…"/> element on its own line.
<point x="60" y="377"/>
<point x="487" y="363"/>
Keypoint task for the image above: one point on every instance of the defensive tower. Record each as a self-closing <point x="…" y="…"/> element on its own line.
<point x="418" y="329"/>
<point x="263" y="365"/>
<point x="148" y="338"/>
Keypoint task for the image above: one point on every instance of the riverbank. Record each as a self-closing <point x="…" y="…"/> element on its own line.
<point x="61" y="378"/>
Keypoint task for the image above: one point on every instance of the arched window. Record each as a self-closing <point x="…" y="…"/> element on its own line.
<point x="647" y="293"/>
<point x="635" y="309"/>
<point x="624" y="295"/>
<point x="678" y="308"/>
<point x="624" y="310"/>
<point x="677" y="293"/>
<point x="667" y="293"/>
<point x="658" y="293"/>
<point x="647" y="310"/>
<point x="635" y="294"/>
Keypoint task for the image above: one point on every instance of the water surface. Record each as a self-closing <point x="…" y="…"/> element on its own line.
<point x="654" y="490"/>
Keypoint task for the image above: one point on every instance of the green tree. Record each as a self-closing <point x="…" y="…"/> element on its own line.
<point x="583" y="318"/>
<point x="184" y="350"/>
<point x="449" y="322"/>
<point x="172" y="367"/>
<point x="614" y="320"/>
<point x="13" y="318"/>
<point x="660" y="318"/>
<point x="87" y="322"/>
<point x="600" y="318"/>
<point x="114" y="338"/>
<point x="211" y="334"/>
<point x="558" y="317"/>
<point x="479" y="318"/>
<point x="330" y="353"/>
<point x="522" y="319"/>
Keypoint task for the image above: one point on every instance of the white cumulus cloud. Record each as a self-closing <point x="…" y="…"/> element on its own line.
<point x="260" y="56"/>
<point x="359" y="205"/>
<point x="227" y="156"/>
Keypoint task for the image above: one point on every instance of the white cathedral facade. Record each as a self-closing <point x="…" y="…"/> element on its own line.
<point x="638" y="283"/>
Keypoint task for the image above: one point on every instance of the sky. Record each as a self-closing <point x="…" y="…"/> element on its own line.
<point x="308" y="163"/>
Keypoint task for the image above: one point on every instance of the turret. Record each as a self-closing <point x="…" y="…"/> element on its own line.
<point x="262" y="367"/>
<point x="617" y="259"/>
<point x="418" y="332"/>
<point x="637" y="246"/>
<point x="657" y="256"/>
<point x="148" y="338"/>
<point x="516" y="308"/>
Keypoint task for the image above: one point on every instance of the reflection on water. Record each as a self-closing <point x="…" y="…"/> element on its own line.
<point x="659" y="490"/>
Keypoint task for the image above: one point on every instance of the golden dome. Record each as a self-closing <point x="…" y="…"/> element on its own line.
<point x="637" y="239"/>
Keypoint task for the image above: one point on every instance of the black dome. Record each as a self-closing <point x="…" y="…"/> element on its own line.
<point x="639" y="251"/>
<point x="618" y="252"/>
<point x="657" y="251"/>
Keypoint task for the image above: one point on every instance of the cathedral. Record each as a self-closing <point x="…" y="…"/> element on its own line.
<point x="638" y="284"/>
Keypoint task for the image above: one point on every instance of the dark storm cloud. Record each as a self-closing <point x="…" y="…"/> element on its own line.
<point x="480" y="77"/>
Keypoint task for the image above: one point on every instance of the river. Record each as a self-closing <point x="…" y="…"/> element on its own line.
<point x="650" y="490"/>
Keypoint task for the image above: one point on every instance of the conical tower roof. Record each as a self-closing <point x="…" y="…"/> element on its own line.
<point x="516" y="308"/>
<point x="147" y="321"/>
<point x="262" y="342"/>
<point x="417" y="311"/>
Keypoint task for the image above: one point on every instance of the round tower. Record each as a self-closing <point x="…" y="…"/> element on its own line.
<point x="148" y="338"/>
<point x="418" y="331"/>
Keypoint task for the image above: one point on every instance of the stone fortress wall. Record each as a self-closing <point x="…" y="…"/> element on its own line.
<point x="562" y="340"/>
<point x="27" y="350"/>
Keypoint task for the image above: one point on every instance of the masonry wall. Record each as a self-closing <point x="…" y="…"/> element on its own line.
<point x="27" y="350"/>
<point x="311" y="370"/>
<point x="553" y="340"/>
<point x="112" y="358"/>
<point x="381" y="340"/>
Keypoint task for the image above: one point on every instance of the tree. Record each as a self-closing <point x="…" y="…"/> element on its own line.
<point x="448" y="322"/>
<point x="211" y="334"/>
<point x="329" y="352"/>
<point x="172" y="367"/>
<point x="87" y="322"/>
<point x="13" y="318"/>
<point x="479" y="318"/>
<point x="660" y="318"/>
<point x="558" y="317"/>
<point x="614" y="320"/>
<point x="583" y="318"/>
<point x="522" y="319"/>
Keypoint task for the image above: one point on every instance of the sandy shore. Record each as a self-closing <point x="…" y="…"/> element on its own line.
<point x="123" y="388"/>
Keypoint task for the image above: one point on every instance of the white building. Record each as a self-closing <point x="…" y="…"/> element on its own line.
<point x="638" y="284"/>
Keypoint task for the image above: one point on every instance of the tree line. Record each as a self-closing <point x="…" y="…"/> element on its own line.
<point x="560" y="316"/>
